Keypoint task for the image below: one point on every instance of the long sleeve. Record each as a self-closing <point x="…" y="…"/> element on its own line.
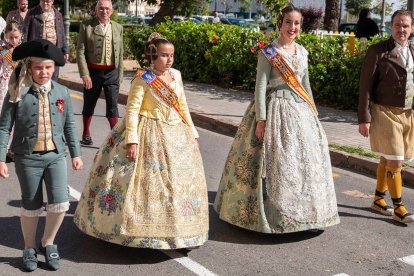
<point x="27" y="26"/>
<point x="186" y="111"/>
<point x="183" y="104"/>
<point x="61" y="27"/>
<point x="71" y="133"/>
<point x="80" y="52"/>
<point x="262" y="78"/>
<point x="6" y="124"/>
<point x="366" y="85"/>
<point x="121" y="57"/>
<point x="306" y="84"/>
<point x="135" y="98"/>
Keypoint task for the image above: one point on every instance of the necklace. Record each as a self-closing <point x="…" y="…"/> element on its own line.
<point x="160" y="73"/>
<point x="286" y="46"/>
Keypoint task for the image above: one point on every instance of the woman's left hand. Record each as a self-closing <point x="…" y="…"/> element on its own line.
<point x="260" y="130"/>
<point x="131" y="152"/>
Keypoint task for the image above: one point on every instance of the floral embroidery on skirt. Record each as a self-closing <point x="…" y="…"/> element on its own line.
<point x="159" y="201"/>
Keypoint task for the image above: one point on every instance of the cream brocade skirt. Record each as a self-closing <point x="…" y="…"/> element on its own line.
<point x="284" y="184"/>
<point x="159" y="201"/>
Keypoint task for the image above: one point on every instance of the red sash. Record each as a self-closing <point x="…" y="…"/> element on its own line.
<point x="162" y="90"/>
<point x="278" y="63"/>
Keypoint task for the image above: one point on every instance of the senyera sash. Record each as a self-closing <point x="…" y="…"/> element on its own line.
<point x="162" y="90"/>
<point x="278" y="63"/>
<point x="6" y="55"/>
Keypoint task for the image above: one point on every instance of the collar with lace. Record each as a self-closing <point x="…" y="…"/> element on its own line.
<point x="47" y="86"/>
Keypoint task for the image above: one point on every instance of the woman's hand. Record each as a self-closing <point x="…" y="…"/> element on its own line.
<point x="260" y="130"/>
<point x="131" y="152"/>
<point x="77" y="163"/>
<point x="364" y="128"/>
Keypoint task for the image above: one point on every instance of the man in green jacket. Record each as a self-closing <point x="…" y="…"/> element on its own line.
<point x="100" y="60"/>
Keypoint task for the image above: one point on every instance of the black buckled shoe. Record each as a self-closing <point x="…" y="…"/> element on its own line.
<point x="29" y="259"/>
<point x="87" y="141"/>
<point x="51" y="256"/>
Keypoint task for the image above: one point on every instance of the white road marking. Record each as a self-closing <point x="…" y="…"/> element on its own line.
<point x="74" y="193"/>
<point x="341" y="274"/>
<point x="408" y="260"/>
<point x="191" y="265"/>
<point x="188" y="263"/>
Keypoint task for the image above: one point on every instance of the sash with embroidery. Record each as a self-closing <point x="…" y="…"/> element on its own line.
<point x="6" y="55"/>
<point x="278" y="63"/>
<point x="162" y="90"/>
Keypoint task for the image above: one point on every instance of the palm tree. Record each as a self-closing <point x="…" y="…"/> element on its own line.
<point x="331" y="15"/>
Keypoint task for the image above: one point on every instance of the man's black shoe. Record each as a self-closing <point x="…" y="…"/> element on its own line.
<point x="87" y="141"/>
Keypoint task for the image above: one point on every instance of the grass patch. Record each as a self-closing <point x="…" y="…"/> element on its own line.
<point x="355" y="150"/>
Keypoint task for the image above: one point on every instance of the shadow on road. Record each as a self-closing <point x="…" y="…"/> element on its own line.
<point x="375" y="215"/>
<point x="225" y="232"/>
<point x="74" y="245"/>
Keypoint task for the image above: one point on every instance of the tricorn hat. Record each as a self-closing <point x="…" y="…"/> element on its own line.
<point x="41" y="48"/>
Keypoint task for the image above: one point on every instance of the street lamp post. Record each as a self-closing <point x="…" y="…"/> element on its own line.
<point x="410" y="5"/>
<point x="383" y="17"/>
<point x="66" y="19"/>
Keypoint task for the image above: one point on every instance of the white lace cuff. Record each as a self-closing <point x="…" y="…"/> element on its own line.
<point x="31" y="213"/>
<point x="58" y="207"/>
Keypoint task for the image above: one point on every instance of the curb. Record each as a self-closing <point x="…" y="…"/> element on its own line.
<point x="340" y="159"/>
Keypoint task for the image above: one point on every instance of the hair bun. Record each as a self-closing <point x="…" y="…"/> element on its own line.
<point x="154" y="36"/>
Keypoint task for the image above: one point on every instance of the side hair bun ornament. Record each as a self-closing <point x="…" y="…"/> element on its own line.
<point x="154" y="36"/>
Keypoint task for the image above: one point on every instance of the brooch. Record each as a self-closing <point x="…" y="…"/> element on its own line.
<point x="60" y="104"/>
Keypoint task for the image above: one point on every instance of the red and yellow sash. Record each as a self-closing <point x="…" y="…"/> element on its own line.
<point x="162" y="90"/>
<point x="6" y="54"/>
<point x="287" y="74"/>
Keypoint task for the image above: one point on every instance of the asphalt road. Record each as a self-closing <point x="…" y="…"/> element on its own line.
<point x="363" y="244"/>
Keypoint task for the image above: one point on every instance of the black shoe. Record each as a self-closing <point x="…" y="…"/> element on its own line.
<point x="51" y="256"/>
<point x="29" y="259"/>
<point x="87" y="141"/>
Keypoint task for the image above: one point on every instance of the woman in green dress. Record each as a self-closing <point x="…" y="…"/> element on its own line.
<point x="277" y="177"/>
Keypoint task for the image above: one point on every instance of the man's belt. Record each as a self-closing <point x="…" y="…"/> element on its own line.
<point x="100" y="66"/>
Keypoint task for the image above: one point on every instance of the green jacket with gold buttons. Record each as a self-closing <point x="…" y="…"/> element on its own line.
<point x="24" y="116"/>
<point x="91" y="44"/>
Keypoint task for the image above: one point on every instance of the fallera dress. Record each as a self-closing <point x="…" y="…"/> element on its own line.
<point x="160" y="200"/>
<point x="283" y="184"/>
<point x="6" y="69"/>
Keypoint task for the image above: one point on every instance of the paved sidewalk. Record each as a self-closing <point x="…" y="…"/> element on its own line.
<point x="221" y="110"/>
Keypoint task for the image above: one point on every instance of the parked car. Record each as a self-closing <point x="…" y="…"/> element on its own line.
<point x="237" y="22"/>
<point x="222" y="20"/>
<point x="351" y="27"/>
<point x="347" y="27"/>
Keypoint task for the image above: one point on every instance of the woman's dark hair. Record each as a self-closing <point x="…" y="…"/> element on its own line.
<point x="12" y="26"/>
<point x="364" y="13"/>
<point x="286" y="10"/>
<point x="152" y="46"/>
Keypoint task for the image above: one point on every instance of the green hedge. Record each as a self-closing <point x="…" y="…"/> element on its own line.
<point x="205" y="52"/>
<point x="226" y="55"/>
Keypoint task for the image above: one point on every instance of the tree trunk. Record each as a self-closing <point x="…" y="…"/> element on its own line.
<point x="167" y="8"/>
<point x="331" y="15"/>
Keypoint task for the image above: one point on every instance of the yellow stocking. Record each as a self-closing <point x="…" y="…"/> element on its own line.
<point x="394" y="182"/>
<point x="381" y="179"/>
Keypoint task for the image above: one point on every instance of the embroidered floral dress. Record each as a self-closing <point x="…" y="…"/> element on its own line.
<point x="160" y="200"/>
<point x="284" y="184"/>
<point x="6" y="69"/>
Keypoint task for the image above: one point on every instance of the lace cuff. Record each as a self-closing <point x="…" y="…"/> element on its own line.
<point x="58" y="207"/>
<point x="31" y="213"/>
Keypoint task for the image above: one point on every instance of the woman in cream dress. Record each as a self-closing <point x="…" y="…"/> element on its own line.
<point x="277" y="177"/>
<point x="147" y="187"/>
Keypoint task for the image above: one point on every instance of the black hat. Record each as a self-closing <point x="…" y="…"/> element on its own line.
<point x="39" y="48"/>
